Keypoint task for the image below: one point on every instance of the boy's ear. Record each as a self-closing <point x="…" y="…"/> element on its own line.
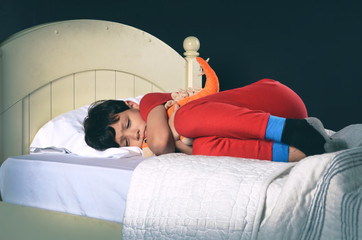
<point x="133" y="105"/>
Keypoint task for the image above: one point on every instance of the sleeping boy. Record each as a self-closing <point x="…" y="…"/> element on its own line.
<point x="265" y="120"/>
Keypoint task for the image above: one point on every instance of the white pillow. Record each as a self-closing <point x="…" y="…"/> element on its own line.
<point x="66" y="132"/>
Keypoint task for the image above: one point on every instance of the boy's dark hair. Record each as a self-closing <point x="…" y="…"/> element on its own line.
<point x="101" y="114"/>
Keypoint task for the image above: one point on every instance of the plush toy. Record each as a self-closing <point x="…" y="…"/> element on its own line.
<point x="182" y="97"/>
<point x="211" y="86"/>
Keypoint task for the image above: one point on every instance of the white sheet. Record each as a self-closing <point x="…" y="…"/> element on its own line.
<point x="93" y="187"/>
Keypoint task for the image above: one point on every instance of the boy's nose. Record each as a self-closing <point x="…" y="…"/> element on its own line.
<point x="134" y="134"/>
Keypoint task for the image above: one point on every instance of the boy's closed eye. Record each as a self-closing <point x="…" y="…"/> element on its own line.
<point x="128" y="124"/>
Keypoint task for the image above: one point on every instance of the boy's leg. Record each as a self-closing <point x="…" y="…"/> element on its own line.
<point x="239" y="113"/>
<point x="220" y="119"/>
<point x="245" y="148"/>
<point x="265" y="95"/>
<point x="230" y="114"/>
<point x="225" y="120"/>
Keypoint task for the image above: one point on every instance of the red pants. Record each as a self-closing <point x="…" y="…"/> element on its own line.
<point x="233" y="122"/>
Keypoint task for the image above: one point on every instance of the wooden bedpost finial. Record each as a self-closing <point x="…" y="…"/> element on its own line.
<point x="191" y="45"/>
<point x="193" y="69"/>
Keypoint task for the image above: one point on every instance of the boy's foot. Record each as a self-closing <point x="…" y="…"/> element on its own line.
<point x="304" y="136"/>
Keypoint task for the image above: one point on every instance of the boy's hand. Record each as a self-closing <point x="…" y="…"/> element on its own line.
<point x="182" y="147"/>
<point x="181" y="93"/>
<point x="171" y="123"/>
<point x="169" y="104"/>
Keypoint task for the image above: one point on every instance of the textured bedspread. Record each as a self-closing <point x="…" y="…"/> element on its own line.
<point x="196" y="197"/>
<point x="321" y="199"/>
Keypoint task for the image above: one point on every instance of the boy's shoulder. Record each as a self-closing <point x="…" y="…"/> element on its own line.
<point x="151" y="100"/>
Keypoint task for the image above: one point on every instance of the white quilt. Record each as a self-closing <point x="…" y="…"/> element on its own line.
<point x="321" y="199"/>
<point x="176" y="196"/>
<point x="195" y="197"/>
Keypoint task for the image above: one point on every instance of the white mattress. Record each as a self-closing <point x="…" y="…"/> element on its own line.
<point x="93" y="187"/>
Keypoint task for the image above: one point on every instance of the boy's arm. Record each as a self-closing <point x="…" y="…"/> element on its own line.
<point x="159" y="137"/>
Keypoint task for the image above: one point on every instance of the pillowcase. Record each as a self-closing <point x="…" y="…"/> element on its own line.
<point x="66" y="132"/>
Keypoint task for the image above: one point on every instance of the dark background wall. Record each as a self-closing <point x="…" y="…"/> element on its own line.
<point x="314" y="48"/>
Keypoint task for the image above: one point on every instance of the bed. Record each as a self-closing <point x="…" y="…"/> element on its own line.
<point x="51" y="71"/>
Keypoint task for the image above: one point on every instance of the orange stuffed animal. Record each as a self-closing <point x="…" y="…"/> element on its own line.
<point x="211" y="87"/>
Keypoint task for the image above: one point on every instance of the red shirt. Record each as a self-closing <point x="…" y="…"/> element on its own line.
<point x="151" y="100"/>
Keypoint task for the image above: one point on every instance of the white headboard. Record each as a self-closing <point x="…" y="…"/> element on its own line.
<point x="53" y="68"/>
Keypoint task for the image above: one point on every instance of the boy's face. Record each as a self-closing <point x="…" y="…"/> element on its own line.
<point x="130" y="129"/>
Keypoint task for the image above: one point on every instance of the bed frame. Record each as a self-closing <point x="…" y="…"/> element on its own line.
<point x="57" y="67"/>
